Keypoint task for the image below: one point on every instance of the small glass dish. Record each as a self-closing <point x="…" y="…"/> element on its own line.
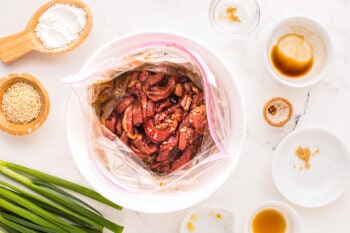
<point x="237" y="18"/>
<point x="273" y="216"/>
<point x="21" y="129"/>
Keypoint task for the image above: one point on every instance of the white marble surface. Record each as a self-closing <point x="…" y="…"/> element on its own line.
<point x="325" y="104"/>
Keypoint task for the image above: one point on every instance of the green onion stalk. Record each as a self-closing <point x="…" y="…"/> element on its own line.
<point x="43" y="203"/>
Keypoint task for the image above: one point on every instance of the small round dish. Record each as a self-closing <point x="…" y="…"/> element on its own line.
<point x="236" y="18"/>
<point x="277" y="213"/>
<point x="19" y="129"/>
<point x="310" y="167"/>
<point x="278" y="111"/>
<point x="298" y="51"/>
<point x="204" y="220"/>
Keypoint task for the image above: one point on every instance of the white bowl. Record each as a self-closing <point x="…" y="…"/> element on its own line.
<point x="208" y="219"/>
<point x="316" y="35"/>
<point x="325" y="179"/>
<point x="160" y="201"/>
<point x="293" y="222"/>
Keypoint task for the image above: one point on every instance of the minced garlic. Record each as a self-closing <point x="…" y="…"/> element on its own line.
<point x="305" y="155"/>
<point x="190" y="224"/>
<point x="218" y="216"/>
<point x="21" y="103"/>
<point x="231" y="15"/>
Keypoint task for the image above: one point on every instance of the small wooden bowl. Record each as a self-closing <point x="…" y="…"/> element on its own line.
<point x="281" y="114"/>
<point x="24" y="129"/>
<point x="17" y="45"/>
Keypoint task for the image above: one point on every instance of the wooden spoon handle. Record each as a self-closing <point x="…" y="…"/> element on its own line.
<point x="15" y="46"/>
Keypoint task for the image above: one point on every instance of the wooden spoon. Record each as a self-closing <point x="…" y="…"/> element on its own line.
<point x="17" y="45"/>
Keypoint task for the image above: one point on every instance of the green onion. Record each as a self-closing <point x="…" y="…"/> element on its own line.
<point x="52" y="207"/>
<point x="46" y="206"/>
<point x="29" y="215"/>
<point x="12" y="227"/>
<point x="62" y="183"/>
<point x="25" y="223"/>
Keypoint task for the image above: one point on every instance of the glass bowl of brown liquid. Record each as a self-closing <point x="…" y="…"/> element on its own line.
<point x="273" y="217"/>
<point x="298" y="51"/>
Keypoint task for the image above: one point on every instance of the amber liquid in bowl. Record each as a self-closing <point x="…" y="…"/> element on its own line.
<point x="269" y="221"/>
<point x="292" y="56"/>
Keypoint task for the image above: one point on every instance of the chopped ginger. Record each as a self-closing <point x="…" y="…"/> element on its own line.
<point x="190" y="226"/>
<point x="305" y="155"/>
<point x="231" y="15"/>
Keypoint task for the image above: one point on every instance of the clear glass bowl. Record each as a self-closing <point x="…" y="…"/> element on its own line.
<point x="237" y="18"/>
<point x="293" y="222"/>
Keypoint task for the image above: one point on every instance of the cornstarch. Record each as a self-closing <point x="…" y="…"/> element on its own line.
<point x="60" y="25"/>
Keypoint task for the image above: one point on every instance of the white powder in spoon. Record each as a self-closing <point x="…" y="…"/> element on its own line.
<point x="60" y="25"/>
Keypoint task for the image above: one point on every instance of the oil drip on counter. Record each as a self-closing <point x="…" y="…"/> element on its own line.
<point x="292" y="55"/>
<point x="269" y="221"/>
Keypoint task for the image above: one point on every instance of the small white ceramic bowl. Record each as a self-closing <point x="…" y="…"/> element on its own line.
<point x="293" y="222"/>
<point x="316" y="35"/>
<point x="325" y="177"/>
<point x="208" y="219"/>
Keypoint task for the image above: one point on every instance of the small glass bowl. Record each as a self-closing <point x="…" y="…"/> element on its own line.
<point x="293" y="222"/>
<point x="237" y="18"/>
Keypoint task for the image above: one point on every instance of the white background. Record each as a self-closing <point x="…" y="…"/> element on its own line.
<point x="325" y="104"/>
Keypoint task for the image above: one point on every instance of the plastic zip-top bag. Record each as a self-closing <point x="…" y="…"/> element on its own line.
<point x="155" y="118"/>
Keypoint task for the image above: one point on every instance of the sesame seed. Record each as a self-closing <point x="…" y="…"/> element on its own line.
<point x="21" y="103"/>
<point x="155" y="135"/>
